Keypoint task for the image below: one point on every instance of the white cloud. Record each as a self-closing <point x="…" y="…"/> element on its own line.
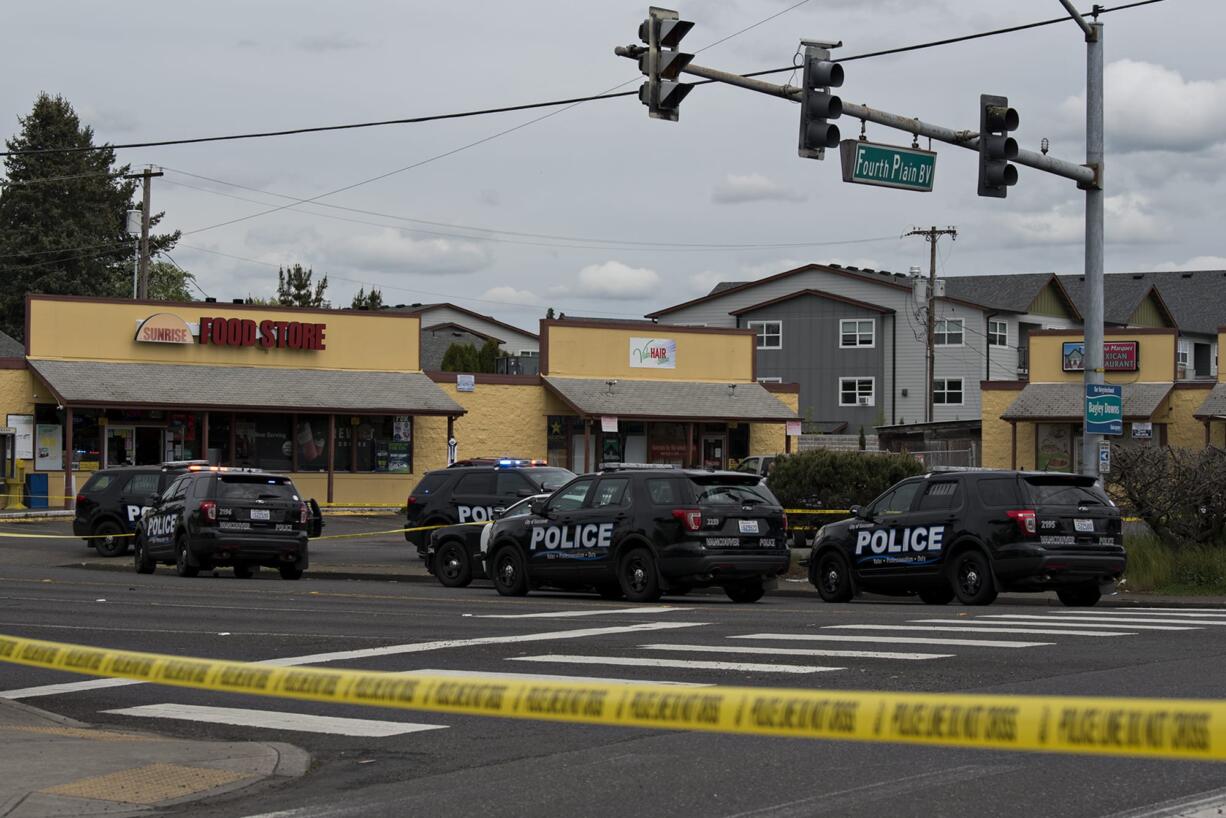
<point x="391" y="251"/>
<point x="1129" y="220"/>
<point x="615" y="280"/>
<point x="330" y="42"/>
<point x="753" y="187"/>
<point x="1192" y="114"/>
<point x="703" y="282"/>
<point x="1197" y="263"/>
<point x="107" y="120"/>
<point x="510" y="295"/>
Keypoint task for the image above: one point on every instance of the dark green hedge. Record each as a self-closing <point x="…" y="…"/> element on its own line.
<point x="828" y="479"/>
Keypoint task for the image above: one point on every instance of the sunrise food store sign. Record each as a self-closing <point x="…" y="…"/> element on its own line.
<point x="168" y="328"/>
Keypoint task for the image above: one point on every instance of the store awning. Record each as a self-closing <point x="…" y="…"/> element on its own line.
<point x="670" y="400"/>
<point x="242" y="388"/>
<point x="1214" y="406"/>
<point x="1066" y="401"/>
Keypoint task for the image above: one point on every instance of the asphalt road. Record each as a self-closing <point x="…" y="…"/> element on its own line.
<point x="377" y="762"/>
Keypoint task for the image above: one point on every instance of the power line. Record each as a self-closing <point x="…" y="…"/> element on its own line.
<point x="44" y="179"/>
<point x="569" y="102"/>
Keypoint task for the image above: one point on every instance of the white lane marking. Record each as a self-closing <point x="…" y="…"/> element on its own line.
<point x="633" y="661"/>
<point x="547" y="677"/>
<point x="1095" y="620"/>
<point x="1047" y="624"/>
<point x="846" y="654"/>
<point x="1163" y="611"/>
<point x="893" y="640"/>
<point x="364" y="653"/>
<point x="276" y="720"/>
<point x="953" y="629"/>
<point x="568" y="614"/>
<point x="1210" y="804"/>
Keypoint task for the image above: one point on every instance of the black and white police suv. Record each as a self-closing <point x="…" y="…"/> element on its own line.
<point x="455" y="554"/>
<point x="470" y="490"/>
<point x="642" y="532"/>
<point x="112" y="501"/>
<point x="972" y="534"/>
<point x="243" y="518"/>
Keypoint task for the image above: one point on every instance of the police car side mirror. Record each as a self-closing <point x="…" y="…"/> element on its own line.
<point x="499" y="511"/>
<point x="152" y="499"/>
<point x="859" y="511"/>
<point x="538" y="507"/>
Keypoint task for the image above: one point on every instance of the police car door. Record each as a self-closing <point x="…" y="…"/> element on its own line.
<point x="552" y="549"/>
<point x="930" y="525"/>
<point x="162" y="521"/>
<point x="474" y="497"/>
<point x="604" y="522"/>
<point x="134" y="498"/>
<point x="878" y="544"/>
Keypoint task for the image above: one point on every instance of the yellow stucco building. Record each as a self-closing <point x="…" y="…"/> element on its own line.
<point x="337" y="397"/>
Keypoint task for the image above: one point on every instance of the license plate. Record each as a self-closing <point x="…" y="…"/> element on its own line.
<point x="1084" y="525"/>
<point x="259" y="514"/>
<point x="748" y="526"/>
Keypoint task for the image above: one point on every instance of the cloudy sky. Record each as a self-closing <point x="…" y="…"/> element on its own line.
<point x="596" y="209"/>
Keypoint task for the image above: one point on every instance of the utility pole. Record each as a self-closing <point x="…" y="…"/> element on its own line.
<point x="142" y="288"/>
<point x="931" y="235"/>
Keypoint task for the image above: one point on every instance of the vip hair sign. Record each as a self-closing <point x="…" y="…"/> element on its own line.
<point x="653" y="353"/>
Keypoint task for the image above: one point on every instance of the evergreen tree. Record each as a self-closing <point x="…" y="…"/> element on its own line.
<point x="487" y="356"/>
<point x="461" y="357"/>
<point x="549" y="314"/>
<point x="371" y="301"/>
<point x="63" y="216"/>
<point x="294" y="288"/>
<point x="169" y="282"/>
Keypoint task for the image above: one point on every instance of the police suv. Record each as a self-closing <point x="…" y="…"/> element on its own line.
<point x="112" y="500"/>
<point x="455" y="554"/>
<point x="642" y="532"/>
<point x="213" y="516"/>
<point x="471" y="490"/>
<point x="972" y="534"/>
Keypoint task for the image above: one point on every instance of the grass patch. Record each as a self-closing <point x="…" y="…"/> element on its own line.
<point x="1155" y="566"/>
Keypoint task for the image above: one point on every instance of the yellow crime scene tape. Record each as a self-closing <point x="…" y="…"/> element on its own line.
<point x="1155" y="728"/>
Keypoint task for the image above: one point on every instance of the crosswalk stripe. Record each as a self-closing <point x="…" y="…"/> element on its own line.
<point x="568" y="614"/>
<point x="845" y="654"/>
<point x="894" y="640"/>
<point x="1105" y="624"/>
<point x="1094" y="619"/>
<point x="1163" y="611"/>
<point x="276" y="720"/>
<point x="635" y="661"/>
<point x="965" y="629"/>
<point x="547" y="677"/>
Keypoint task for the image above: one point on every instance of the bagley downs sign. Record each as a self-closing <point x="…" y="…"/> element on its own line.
<point x="653" y="353"/>
<point x="167" y="328"/>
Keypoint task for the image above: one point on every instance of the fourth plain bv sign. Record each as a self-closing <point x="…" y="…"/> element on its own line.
<point x="871" y="163"/>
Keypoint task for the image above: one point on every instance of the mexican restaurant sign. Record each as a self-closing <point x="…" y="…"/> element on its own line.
<point x="653" y="353"/>
<point x="166" y="328"/>
<point x="1118" y="356"/>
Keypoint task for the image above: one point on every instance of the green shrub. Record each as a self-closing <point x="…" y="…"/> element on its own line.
<point x="1157" y="566"/>
<point x="828" y="479"/>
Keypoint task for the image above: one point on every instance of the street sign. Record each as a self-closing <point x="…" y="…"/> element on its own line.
<point x="1104" y="409"/>
<point x="1104" y="457"/>
<point x="871" y="163"/>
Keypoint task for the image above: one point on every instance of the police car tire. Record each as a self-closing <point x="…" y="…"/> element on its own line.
<point x="144" y="565"/>
<point x="937" y="596"/>
<point x="972" y="579"/>
<point x="183" y="564"/>
<point x="290" y="572"/>
<point x="116" y="547"/>
<point x="515" y="584"/>
<point x="1080" y="596"/>
<point x="745" y="592"/>
<point x="458" y="576"/>
<point x="638" y="577"/>
<point x="837" y="588"/>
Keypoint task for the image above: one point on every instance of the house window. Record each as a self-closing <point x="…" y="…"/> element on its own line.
<point x="1181" y="355"/>
<point x="770" y="380"/>
<point x="949" y="332"/>
<point x="947" y="391"/>
<point x="857" y="392"/>
<point x="856" y="333"/>
<point x="529" y="353"/>
<point x="770" y="333"/>
<point x="998" y="333"/>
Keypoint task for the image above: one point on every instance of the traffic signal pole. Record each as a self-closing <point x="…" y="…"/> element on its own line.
<point x="1094" y="226"/>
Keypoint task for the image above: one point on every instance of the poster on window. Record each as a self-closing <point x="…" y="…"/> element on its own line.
<point x="48" y="447"/>
<point x="1054" y="447"/>
<point x="653" y="353"/>
<point x="402" y="428"/>
<point x="24" y="427"/>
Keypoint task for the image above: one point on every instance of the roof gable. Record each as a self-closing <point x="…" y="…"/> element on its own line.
<point x="814" y="294"/>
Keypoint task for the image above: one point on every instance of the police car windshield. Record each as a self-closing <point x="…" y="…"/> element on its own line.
<point x="549" y="478"/>
<point x="734" y="493"/>
<point x="1056" y="491"/>
<point x="254" y="487"/>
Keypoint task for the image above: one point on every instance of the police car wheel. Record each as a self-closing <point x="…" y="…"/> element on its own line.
<point x="509" y="574"/>
<point x="452" y="566"/>
<point x="744" y="592"/>
<point x="973" y="582"/>
<point x="637" y="575"/>
<point x="290" y="572"/>
<point x="183" y="565"/>
<point x="833" y="578"/>
<point x="937" y="596"/>
<point x="243" y="571"/>
<point x="1080" y="596"/>
<point x="107" y="544"/>
<point x="144" y="565"/>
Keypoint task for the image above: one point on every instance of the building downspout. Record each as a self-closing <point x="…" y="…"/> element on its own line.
<point x="1013" y="444"/>
<point x="894" y="369"/>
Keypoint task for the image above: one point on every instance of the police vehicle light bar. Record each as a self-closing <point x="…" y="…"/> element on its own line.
<point x="617" y="466"/>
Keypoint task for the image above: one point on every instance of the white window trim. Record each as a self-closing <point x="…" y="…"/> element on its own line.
<point x="770" y="380"/>
<point x="945" y="381"/>
<point x="529" y="353"/>
<point x="753" y="325"/>
<point x="1004" y="324"/>
<point x="872" y="332"/>
<point x="947" y="321"/>
<point x="872" y="397"/>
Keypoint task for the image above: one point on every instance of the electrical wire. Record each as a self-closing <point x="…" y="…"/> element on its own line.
<point x="570" y="102"/>
<point x="44" y="179"/>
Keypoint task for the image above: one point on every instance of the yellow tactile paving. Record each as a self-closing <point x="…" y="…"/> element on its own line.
<point x="147" y="785"/>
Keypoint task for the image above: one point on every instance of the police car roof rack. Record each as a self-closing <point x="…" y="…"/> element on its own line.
<point x="617" y="466"/>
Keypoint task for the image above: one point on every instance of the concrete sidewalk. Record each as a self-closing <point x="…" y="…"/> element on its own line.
<point x="53" y="766"/>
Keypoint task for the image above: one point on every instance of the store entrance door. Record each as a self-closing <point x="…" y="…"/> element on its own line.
<point x="149" y="445"/>
<point x="713" y="451"/>
<point x="120" y="446"/>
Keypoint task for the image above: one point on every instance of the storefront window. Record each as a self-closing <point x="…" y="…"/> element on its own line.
<point x="263" y="442"/>
<point x="219" y="439"/>
<point x="86" y="441"/>
<point x="384" y="443"/>
<point x="668" y="443"/>
<point x="311" y="441"/>
<point x="557" y="428"/>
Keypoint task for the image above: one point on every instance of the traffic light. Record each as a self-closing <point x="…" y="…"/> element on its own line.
<point x="817" y="104"/>
<point x="663" y="63"/>
<point x="996" y="147"/>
